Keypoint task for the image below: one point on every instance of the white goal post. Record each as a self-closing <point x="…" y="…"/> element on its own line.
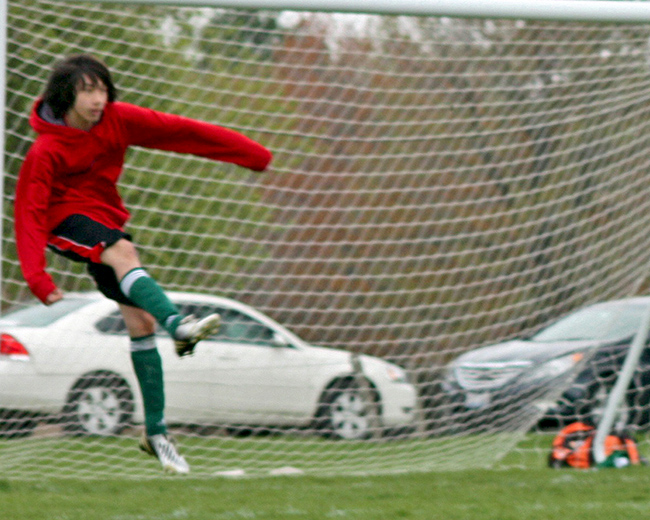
<point x="448" y="176"/>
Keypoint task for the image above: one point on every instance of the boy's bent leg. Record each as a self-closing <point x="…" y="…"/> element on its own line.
<point x="143" y="291"/>
<point x="136" y="284"/>
<point x="114" y="264"/>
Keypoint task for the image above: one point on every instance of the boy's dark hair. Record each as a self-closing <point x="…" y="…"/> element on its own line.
<point x="61" y="90"/>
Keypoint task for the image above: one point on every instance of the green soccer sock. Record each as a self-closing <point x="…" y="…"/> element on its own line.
<point x="147" y="365"/>
<point x="143" y="290"/>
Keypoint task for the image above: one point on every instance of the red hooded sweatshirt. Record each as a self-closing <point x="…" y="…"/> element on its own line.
<point x="70" y="171"/>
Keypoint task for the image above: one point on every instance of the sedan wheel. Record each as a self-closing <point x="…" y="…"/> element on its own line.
<point x="348" y="412"/>
<point x="99" y="404"/>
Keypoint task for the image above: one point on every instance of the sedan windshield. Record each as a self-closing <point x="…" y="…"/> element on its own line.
<point x="601" y="322"/>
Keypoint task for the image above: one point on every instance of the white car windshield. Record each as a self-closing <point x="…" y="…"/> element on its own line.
<point x="600" y="322"/>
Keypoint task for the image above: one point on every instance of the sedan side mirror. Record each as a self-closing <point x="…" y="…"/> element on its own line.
<point x="279" y="340"/>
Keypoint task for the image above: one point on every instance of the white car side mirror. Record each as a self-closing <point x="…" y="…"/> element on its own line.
<point x="279" y="340"/>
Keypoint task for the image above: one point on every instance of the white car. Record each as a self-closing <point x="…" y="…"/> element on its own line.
<point x="70" y="363"/>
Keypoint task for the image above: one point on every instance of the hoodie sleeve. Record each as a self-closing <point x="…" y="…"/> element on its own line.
<point x="31" y="203"/>
<point x="152" y="129"/>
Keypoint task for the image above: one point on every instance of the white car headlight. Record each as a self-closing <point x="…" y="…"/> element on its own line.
<point x="396" y="374"/>
<point x="380" y="370"/>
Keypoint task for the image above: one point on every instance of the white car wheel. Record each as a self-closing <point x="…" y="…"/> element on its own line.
<point x="99" y="404"/>
<point x="347" y="412"/>
<point x="348" y="415"/>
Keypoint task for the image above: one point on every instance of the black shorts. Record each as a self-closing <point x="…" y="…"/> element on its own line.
<point x="82" y="239"/>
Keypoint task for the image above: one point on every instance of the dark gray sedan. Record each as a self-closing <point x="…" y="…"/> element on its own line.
<point x="560" y="374"/>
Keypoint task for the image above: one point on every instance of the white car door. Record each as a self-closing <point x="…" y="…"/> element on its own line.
<point x="257" y="380"/>
<point x="189" y="383"/>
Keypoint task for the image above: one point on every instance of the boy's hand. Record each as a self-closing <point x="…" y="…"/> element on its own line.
<point x="54" y="297"/>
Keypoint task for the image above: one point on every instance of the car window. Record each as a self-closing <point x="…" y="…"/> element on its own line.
<point x="600" y="322"/>
<point x="236" y="327"/>
<point x="42" y="316"/>
<point x="240" y="328"/>
<point x="111" y="324"/>
<point x="114" y="324"/>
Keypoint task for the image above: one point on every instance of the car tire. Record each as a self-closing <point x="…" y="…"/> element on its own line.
<point x="16" y="424"/>
<point x="349" y="410"/>
<point x="100" y="403"/>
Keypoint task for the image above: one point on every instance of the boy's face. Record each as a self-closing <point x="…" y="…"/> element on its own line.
<point x="89" y="104"/>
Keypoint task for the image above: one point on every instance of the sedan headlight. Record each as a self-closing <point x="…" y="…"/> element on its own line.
<point x="396" y="374"/>
<point x="380" y="370"/>
<point x="556" y="367"/>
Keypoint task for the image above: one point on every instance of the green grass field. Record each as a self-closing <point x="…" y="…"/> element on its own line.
<point x="534" y="494"/>
<point x="531" y="491"/>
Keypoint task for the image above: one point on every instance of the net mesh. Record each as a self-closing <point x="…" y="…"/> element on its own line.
<point x="438" y="185"/>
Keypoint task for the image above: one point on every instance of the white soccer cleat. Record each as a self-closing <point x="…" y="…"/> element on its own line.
<point x="192" y="330"/>
<point x="161" y="447"/>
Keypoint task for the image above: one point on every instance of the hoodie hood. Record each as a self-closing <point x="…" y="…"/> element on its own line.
<point x="46" y="113"/>
<point x="43" y="121"/>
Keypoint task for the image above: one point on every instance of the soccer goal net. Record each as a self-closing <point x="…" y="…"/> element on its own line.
<point x="442" y="189"/>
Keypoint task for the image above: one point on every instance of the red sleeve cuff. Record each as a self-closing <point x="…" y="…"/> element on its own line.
<point x="263" y="160"/>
